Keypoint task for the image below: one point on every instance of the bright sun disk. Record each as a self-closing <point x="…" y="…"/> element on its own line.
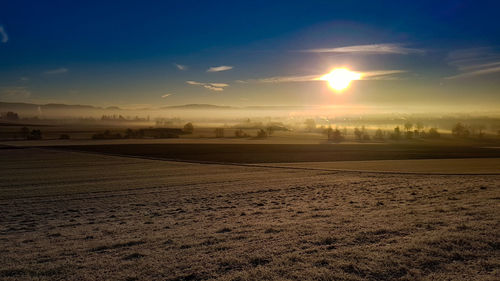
<point x="340" y="78"/>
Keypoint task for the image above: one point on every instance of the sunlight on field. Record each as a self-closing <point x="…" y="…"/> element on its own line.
<point x="148" y="219"/>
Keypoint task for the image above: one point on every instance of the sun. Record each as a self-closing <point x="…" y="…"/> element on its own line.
<point x="340" y="78"/>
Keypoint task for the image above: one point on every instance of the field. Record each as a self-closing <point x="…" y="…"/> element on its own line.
<point x="268" y="153"/>
<point x="69" y="215"/>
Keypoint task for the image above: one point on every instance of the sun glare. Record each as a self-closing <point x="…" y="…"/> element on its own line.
<point x="340" y="78"/>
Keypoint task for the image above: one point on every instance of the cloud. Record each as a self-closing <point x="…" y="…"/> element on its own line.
<point x="213" y="88"/>
<point x="14" y="93"/>
<point x="3" y="34"/>
<point x="474" y="62"/>
<point x="382" y="74"/>
<point x="24" y="79"/>
<point x="369" y="75"/>
<point x="478" y="66"/>
<point x="56" y="71"/>
<point x="369" y="49"/>
<point x="180" y="66"/>
<point x="219" y="68"/>
<point x="474" y="56"/>
<point x="476" y="72"/>
<point x="218" y="87"/>
<point x="285" y="79"/>
<point x="166" y="95"/>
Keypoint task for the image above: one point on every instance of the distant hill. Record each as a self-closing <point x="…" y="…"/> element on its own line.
<point x="13" y="106"/>
<point x="198" y="106"/>
<point x="54" y="109"/>
<point x="18" y="106"/>
<point x="277" y="107"/>
<point x="67" y="106"/>
<point x="31" y="109"/>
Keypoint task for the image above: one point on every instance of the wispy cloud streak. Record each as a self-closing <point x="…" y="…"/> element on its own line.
<point x="219" y="68"/>
<point x="56" y="71"/>
<point x="474" y="62"/>
<point x="165" y="96"/>
<point x="368" y="49"/>
<point x="285" y="79"/>
<point x="217" y="87"/>
<point x="382" y="75"/>
<point x="181" y="66"/>
<point x="476" y="72"/>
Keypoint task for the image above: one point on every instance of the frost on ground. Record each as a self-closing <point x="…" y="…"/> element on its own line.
<point x="76" y="216"/>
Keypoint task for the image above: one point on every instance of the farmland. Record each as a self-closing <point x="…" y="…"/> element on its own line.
<point x="69" y="215"/>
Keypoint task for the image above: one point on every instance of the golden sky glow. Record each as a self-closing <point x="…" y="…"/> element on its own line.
<point x="340" y="78"/>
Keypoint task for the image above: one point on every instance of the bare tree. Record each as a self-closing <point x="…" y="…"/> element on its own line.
<point x="310" y="125"/>
<point x="459" y="130"/>
<point x="334" y="135"/>
<point x="396" y="135"/>
<point x="358" y="134"/>
<point x="408" y="126"/>
<point x="379" y="135"/>
<point x="219" y="132"/>
<point x="420" y="126"/>
<point x="188" y="128"/>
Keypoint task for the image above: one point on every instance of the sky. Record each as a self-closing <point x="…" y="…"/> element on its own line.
<point x="242" y="53"/>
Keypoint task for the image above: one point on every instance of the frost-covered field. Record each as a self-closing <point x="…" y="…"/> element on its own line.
<point x="76" y="216"/>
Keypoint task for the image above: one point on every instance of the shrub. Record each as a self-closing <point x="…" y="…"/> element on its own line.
<point x="35" y="135"/>
<point x="433" y="133"/>
<point x="24" y="132"/>
<point x="240" y="134"/>
<point x="261" y="134"/>
<point x="106" y="136"/>
<point x="11" y="116"/>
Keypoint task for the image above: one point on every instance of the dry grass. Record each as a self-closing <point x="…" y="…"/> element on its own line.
<point x="72" y="216"/>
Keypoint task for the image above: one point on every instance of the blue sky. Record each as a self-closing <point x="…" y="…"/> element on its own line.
<point x="141" y="53"/>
